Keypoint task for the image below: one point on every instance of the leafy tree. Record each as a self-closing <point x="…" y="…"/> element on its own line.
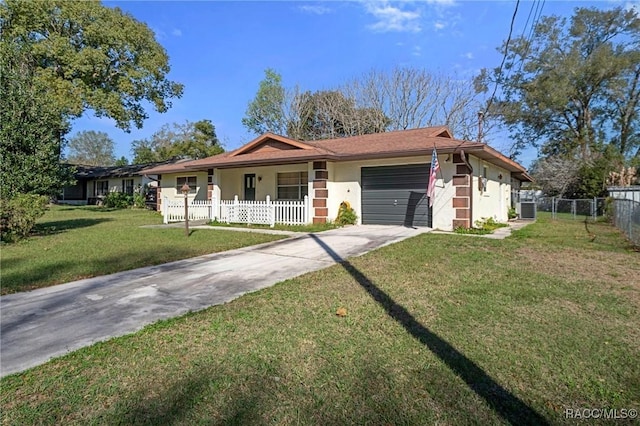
<point x="58" y="59"/>
<point x="188" y="140"/>
<point x="30" y="134"/>
<point x="91" y="56"/>
<point x="574" y="87"/>
<point x="122" y="161"/>
<point x="265" y="112"/>
<point x="92" y="149"/>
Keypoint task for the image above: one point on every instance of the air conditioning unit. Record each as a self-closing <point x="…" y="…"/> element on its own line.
<point x="526" y="210"/>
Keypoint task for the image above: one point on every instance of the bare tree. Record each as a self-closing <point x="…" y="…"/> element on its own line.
<point x="412" y="98"/>
<point x="329" y="114"/>
<point x="555" y="174"/>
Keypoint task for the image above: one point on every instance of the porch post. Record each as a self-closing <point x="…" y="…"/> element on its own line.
<point x="165" y="217"/>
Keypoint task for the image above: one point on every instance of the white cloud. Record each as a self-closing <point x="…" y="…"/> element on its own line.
<point x="390" y="18"/>
<point x="316" y="10"/>
<point x="468" y="55"/>
<point x="176" y="32"/>
<point x="439" y="25"/>
<point x="417" y="51"/>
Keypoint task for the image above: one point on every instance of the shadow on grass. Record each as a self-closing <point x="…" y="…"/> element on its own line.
<point x="511" y="408"/>
<point x="58" y="226"/>
<point x="39" y="275"/>
<point x="179" y="403"/>
<point x="95" y="209"/>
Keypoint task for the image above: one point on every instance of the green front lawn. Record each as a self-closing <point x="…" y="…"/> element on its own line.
<point x="439" y="329"/>
<point x="72" y="243"/>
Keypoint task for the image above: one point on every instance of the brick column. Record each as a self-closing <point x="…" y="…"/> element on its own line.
<point x="462" y="200"/>
<point x="159" y="194"/>
<point x="320" y="192"/>
<point x="209" y="184"/>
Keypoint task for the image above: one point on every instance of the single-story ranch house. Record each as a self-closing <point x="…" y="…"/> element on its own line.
<point x="383" y="176"/>
<point x="94" y="182"/>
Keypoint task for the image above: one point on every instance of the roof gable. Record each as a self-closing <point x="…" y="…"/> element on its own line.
<point x="269" y="142"/>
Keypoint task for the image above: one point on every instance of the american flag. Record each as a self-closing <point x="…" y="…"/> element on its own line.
<point x="435" y="168"/>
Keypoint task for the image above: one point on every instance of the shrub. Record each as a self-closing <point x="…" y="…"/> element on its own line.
<point x="482" y="226"/>
<point x="118" y="200"/>
<point x="512" y="213"/>
<point x="139" y="200"/>
<point x="18" y="215"/>
<point x="346" y="214"/>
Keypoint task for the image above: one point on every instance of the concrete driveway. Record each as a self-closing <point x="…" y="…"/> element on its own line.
<point x="39" y="325"/>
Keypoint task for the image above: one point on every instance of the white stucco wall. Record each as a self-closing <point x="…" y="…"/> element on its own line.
<point x="231" y="181"/>
<point x="168" y="184"/>
<point x="496" y="200"/>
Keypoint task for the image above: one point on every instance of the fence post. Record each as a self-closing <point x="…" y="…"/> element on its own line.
<point x="594" y="208"/>
<point x="573" y="209"/>
<point x="271" y="208"/>
<point x="236" y="207"/>
<point x="212" y="207"/>
<point x="306" y="209"/>
<point x="165" y="217"/>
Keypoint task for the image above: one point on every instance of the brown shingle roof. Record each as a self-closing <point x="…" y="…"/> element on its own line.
<point x="401" y="143"/>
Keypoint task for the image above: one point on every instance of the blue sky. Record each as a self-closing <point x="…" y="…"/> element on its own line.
<point x="220" y="49"/>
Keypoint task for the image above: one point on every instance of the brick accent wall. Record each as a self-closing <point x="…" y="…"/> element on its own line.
<point x="320" y="192"/>
<point x="461" y="202"/>
<point x="159" y="194"/>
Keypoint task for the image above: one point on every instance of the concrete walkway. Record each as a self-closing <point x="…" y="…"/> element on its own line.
<point x="498" y="234"/>
<point x="39" y="325"/>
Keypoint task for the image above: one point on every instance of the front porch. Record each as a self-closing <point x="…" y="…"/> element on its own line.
<point x="266" y="212"/>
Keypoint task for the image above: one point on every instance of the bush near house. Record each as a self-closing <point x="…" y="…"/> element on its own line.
<point x="118" y="200"/>
<point x="346" y="214"/>
<point x="18" y="215"/>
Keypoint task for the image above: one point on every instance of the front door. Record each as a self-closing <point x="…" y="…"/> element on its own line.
<point x="250" y="187"/>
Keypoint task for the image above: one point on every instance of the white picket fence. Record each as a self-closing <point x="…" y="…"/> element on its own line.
<point x="239" y="211"/>
<point x="173" y="210"/>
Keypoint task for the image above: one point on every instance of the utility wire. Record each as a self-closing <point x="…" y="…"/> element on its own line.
<point x="534" y="24"/>
<point x="504" y="56"/>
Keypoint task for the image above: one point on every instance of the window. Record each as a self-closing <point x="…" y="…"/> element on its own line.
<point x="189" y="180"/>
<point x="127" y="186"/>
<point x="102" y="188"/>
<point x="292" y="185"/>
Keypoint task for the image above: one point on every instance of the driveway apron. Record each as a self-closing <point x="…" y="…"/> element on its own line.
<point x="38" y="325"/>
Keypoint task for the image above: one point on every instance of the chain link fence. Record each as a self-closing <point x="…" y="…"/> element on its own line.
<point x="623" y="210"/>
<point x="626" y="217"/>
<point x="574" y="209"/>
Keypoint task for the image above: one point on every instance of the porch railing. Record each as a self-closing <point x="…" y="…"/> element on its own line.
<point x="240" y="211"/>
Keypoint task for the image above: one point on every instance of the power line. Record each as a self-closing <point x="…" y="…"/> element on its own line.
<point x="534" y="24"/>
<point x="504" y="58"/>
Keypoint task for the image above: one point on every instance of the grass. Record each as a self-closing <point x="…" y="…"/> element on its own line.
<point x="315" y="227"/>
<point x="438" y="329"/>
<point x="72" y="243"/>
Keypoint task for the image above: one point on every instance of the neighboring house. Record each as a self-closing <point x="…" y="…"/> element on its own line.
<point x="94" y="182"/>
<point x="383" y="176"/>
